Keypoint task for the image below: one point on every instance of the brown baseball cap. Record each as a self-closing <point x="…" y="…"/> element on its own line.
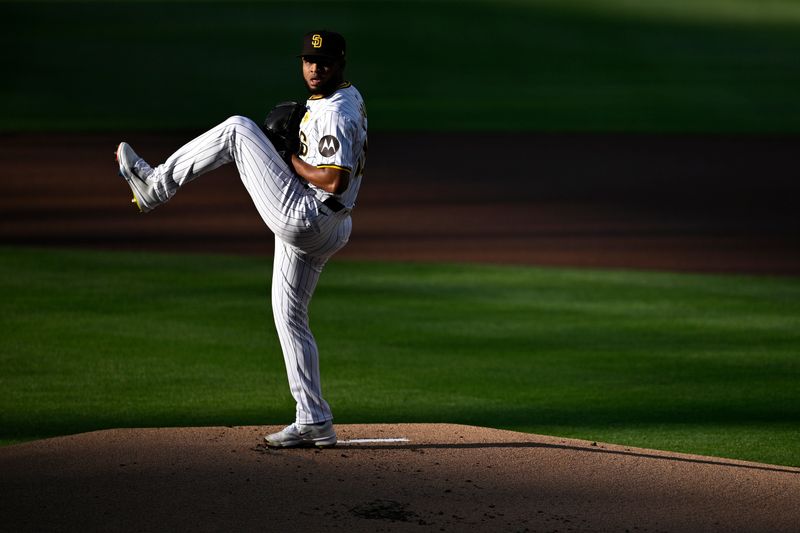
<point x="323" y="43"/>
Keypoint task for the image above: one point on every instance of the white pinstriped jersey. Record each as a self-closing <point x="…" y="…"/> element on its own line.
<point x="333" y="134"/>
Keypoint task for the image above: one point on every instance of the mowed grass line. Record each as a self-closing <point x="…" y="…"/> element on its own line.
<point x="692" y="363"/>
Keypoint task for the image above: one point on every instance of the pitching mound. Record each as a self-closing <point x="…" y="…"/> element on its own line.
<point x="420" y="477"/>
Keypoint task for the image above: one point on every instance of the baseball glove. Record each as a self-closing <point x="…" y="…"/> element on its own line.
<point x="282" y="127"/>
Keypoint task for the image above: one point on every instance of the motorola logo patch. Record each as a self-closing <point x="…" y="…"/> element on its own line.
<point x="328" y="146"/>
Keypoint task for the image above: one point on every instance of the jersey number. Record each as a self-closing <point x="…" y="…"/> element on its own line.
<point x="303" y="144"/>
<point x="362" y="161"/>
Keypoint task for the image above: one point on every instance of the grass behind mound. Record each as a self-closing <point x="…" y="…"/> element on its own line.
<point x="692" y="363"/>
<point x="713" y="66"/>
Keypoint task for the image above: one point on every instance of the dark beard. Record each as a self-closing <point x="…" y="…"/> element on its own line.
<point x="326" y="89"/>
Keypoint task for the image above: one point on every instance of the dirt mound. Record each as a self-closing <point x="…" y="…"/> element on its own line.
<point x="420" y="477"/>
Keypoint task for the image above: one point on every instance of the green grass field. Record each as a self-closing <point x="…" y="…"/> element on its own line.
<point x="549" y="65"/>
<point x="692" y="363"/>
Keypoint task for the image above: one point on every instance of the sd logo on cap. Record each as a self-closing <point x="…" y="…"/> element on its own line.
<point x="323" y="43"/>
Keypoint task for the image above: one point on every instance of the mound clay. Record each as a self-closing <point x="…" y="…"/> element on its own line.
<point x="442" y="478"/>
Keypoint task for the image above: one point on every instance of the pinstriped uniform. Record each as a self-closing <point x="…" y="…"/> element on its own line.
<point x="307" y="232"/>
<point x="334" y="134"/>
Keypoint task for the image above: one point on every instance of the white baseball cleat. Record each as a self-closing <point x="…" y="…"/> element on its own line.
<point x="295" y="435"/>
<point x="135" y="171"/>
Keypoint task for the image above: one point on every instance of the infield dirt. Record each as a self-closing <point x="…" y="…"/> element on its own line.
<point x="445" y="478"/>
<point x="683" y="203"/>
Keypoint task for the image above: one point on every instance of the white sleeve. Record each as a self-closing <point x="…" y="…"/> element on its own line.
<point x="335" y="136"/>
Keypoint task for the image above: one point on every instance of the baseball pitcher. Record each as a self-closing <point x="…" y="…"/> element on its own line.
<point x="303" y="170"/>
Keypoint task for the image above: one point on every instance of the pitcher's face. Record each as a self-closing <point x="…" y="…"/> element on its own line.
<point x="321" y="74"/>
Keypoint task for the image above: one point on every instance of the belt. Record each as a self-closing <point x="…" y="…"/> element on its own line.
<point x="333" y="204"/>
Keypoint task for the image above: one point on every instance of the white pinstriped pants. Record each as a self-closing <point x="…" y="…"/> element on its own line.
<point x="307" y="234"/>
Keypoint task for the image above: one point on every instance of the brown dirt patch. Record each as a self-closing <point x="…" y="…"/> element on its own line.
<point x="686" y="203"/>
<point x="445" y="478"/>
